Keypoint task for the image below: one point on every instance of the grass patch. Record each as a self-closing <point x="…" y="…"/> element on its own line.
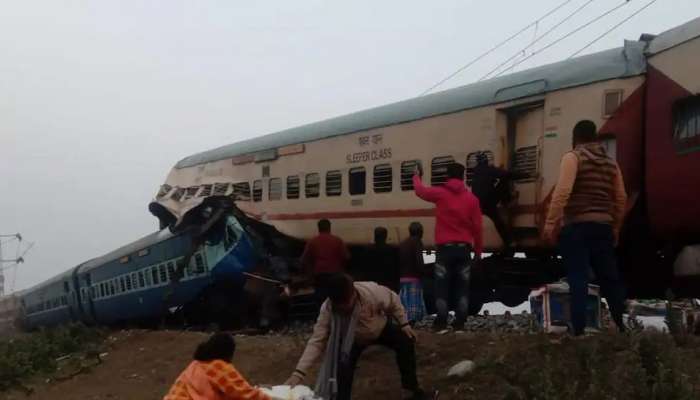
<point x="638" y="365"/>
<point x="38" y="352"/>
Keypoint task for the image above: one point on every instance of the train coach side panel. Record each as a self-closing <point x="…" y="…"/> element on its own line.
<point x="673" y="142"/>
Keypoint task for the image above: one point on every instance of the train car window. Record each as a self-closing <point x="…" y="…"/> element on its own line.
<point x="274" y="189"/>
<point x="438" y="170"/>
<point x="220" y="189"/>
<point x="178" y="194"/>
<point x="163" y="273"/>
<point x="190" y="192"/>
<point x="112" y="290"/>
<point x="205" y="191"/>
<point x="122" y="285"/>
<point x="383" y="178"/>
<point x="188" y="271"/>
<point x="199" y="262"/>
<point x="154" y="275"/>
<point x="525" y="162"/>
<point x="147" y="277"/>
<point x="257" y="190"/>
<point x="293" y="187"/>
<point x="611" y="102"/>
<point x="357" y="180"/>
<point x="313" y="185"/>
<point x="408" y="168"/>
<point x="241" y="191"/>
<point x="686" y="125"/>
<point x="231" y="237"/>
<point x="66" y="287"/>
<point x="334" y="183"/>
<point x="102" y="290"/>
<point x="164" y="189"/>
<point x="128" y="282"/>
<point x="471" y="164"/>
<point x="171" y="271"/>
<point x="142" y="280"/>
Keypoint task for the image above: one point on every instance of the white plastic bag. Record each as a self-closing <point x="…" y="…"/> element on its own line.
<point x="286" y="392"/>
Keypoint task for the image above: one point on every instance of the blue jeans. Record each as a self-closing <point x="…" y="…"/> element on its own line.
<point x="589" y="246"/>
<point x="452" y="271"/>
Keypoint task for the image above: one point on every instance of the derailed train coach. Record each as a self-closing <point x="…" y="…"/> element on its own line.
<point x="356" y="169"/>
<point x="197" y="270"/>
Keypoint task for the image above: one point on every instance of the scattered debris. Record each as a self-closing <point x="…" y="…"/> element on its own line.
<point x="461" y="369"/>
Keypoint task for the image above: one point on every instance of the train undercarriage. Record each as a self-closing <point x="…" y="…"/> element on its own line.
<point x="277" y="292"/>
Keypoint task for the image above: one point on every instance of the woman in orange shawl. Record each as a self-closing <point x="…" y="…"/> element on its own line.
<point x="211" y="376"/>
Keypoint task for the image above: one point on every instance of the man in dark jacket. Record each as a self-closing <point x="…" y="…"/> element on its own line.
<point x="382" y="263"/>
<point x="492" y="185"/>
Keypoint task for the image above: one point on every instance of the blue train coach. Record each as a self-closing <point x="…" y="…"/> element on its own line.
<point x="143" y="280"/>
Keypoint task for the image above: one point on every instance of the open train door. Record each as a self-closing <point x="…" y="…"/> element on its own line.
<point x="524" y="144"/>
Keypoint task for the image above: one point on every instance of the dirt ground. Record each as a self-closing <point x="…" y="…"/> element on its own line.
<point x="143" y="364"/>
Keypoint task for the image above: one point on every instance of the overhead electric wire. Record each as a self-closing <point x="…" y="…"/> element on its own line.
<point x="494" y="48"/>
<point x="649" y="4"/>
<point x="587" y="24"/>
<point x="537" y="39"/>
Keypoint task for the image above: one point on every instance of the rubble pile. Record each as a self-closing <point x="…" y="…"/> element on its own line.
<point x="506" y="323"/>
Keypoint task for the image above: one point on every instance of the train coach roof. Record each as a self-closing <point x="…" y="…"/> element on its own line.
<point x="63" y="276"/>
<point x="126" y="250"/>
<point x="610" y="64"/>
<point x="673" y="37"/>
<point x="129" y="249"/>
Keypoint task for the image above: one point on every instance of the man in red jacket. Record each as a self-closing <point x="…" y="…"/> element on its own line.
<point x="458" y="232"/>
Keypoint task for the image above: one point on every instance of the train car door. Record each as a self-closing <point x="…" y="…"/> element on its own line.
<point x="88" y="297"/>
<point x="525" y="132"/>
<point x="71" y="300"/>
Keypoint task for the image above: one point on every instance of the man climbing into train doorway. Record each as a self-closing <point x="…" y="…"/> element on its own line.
<point x="458" y="232"/>
<point x="589" y="198"/>
<point x="492" y="186"/>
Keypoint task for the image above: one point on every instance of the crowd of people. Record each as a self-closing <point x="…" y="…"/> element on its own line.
<point x="585" y="217"/>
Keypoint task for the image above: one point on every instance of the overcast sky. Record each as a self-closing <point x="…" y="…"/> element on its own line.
<point x="99" y="99"/>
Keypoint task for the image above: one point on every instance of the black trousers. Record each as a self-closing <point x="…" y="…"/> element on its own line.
<point x="585" y="246"/>
<point x="491" y="211"/>
<point x="392" y="337"/>
<point x="321" y="287"/>
<point x="452" y="273"/>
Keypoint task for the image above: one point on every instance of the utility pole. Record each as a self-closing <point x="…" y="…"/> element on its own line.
<point x="12" y="262"/>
